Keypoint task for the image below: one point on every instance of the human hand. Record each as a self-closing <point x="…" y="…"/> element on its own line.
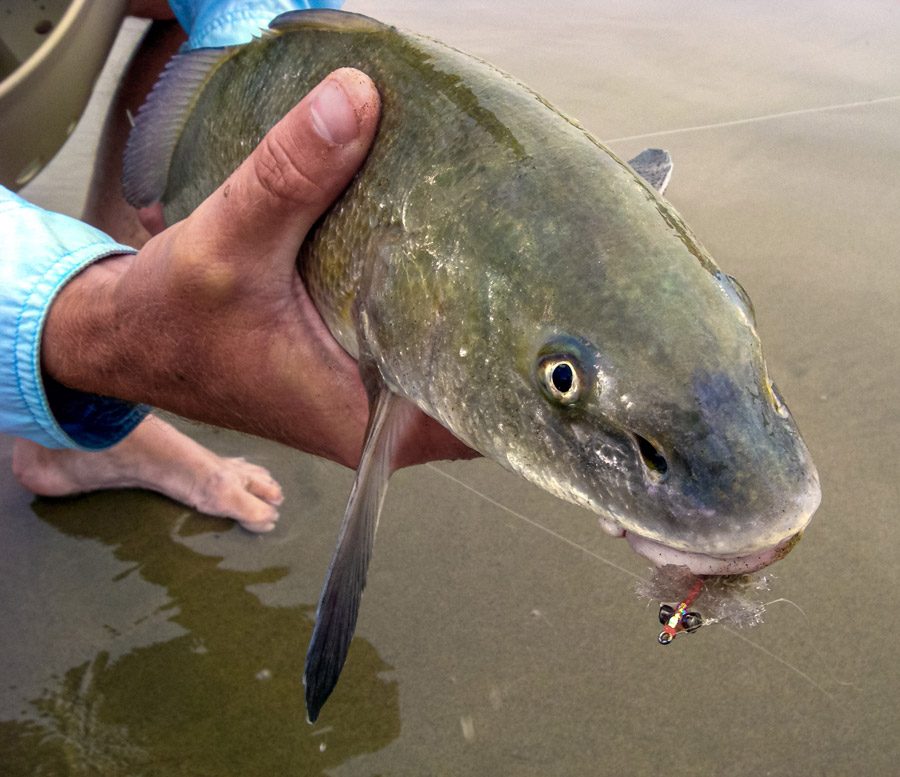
<point x="211" y="320"/>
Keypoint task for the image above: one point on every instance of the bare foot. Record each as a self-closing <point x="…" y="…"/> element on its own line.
<point x="158" y="457"/>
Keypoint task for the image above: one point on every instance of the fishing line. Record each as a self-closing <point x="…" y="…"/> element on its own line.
<point x="781" y="661"/>
<point x="755" y="119"/>
<point x="534" y="523"/>
<point x="815" y="647"/>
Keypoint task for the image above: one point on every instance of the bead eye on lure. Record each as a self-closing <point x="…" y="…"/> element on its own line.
<point x="679" y="619"/>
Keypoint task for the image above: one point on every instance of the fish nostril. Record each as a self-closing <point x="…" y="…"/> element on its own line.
<point x="651" y="457"/>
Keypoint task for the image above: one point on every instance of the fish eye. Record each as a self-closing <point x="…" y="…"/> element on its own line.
<point x="739" y="295"/>
<point x="560" y="379"/>
<point x="563" y="370"/>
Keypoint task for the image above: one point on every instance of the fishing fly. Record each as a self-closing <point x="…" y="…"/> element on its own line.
<point x="679" y="619"/>
<point x="733" y="600"/>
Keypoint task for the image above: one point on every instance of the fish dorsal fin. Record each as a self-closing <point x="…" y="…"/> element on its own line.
<point x="325" y="17"/>
<point x="160" y="120"/>
<point x="655" y="166"/>
<point x="346" y="580"/>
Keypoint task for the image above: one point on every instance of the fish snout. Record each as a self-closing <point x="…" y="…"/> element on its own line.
<point x="723" y="501"/>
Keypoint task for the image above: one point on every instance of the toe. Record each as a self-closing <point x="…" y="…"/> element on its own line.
<point x="258" y="481"/>
<point x="257" y="528"/>
<point x="225" y="493"/>
<point x="251" y="513"/>
<point x="265" y="488"/>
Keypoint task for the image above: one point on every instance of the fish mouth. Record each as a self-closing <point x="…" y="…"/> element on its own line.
<point x="705" y="564"/>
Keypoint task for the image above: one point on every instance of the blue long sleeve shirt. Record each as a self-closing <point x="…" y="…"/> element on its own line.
<point x="42" y="251"/>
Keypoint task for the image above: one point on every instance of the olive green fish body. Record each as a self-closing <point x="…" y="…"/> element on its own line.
<point x="498" y="267"/>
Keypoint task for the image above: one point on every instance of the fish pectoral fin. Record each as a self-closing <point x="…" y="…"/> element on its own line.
<point x="339" y="603"/>
<point x="655" y="166"/>
<point x="148" y="153"/>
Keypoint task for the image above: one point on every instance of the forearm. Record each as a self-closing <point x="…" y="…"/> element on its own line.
<point x="81" y="343"/>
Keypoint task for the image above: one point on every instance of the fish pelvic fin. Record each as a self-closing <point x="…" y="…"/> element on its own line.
<point x="160" y="120"/>
<point x="655" y="166"/>
<point x="339" y="604"/>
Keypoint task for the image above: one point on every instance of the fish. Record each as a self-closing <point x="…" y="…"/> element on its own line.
<point x="496" y="266"/>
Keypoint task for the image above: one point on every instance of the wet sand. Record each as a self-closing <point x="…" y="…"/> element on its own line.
<point x="500" y="634"/>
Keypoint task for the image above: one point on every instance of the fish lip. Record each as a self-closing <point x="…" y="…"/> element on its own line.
<point x="701" y="563"/>
<point x="706" y="564"/>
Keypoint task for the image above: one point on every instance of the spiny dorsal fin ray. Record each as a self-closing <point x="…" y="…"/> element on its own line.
<point x="346" y="580"/>
<point x="655" y="166"/>
<point x="326" y="17"/>
<point x="160" y="120"/>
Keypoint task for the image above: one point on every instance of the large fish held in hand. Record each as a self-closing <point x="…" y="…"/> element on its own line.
<point x="494" y="265"/>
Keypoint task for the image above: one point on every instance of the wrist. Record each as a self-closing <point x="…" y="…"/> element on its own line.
<point x="80" y="341"/>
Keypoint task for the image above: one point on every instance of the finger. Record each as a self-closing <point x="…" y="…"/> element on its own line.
<point x="267" y="206"/>
<point x="152" y="218"/>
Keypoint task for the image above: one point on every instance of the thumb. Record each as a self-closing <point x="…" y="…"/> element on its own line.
<point x="269" y="203"/>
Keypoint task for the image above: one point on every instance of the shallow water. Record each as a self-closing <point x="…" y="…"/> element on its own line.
<point x="500" y="633"/>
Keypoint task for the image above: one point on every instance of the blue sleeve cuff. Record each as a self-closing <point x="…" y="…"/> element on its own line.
<point x="216" y="23"/>
<point x="42" y="251"/>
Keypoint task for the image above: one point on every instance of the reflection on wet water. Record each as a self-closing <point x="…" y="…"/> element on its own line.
<point x="222" y="697"/>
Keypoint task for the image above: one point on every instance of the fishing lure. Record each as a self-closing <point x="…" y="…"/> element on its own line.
<point x="732" y="600"/>
<point x="679" y="619"/>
